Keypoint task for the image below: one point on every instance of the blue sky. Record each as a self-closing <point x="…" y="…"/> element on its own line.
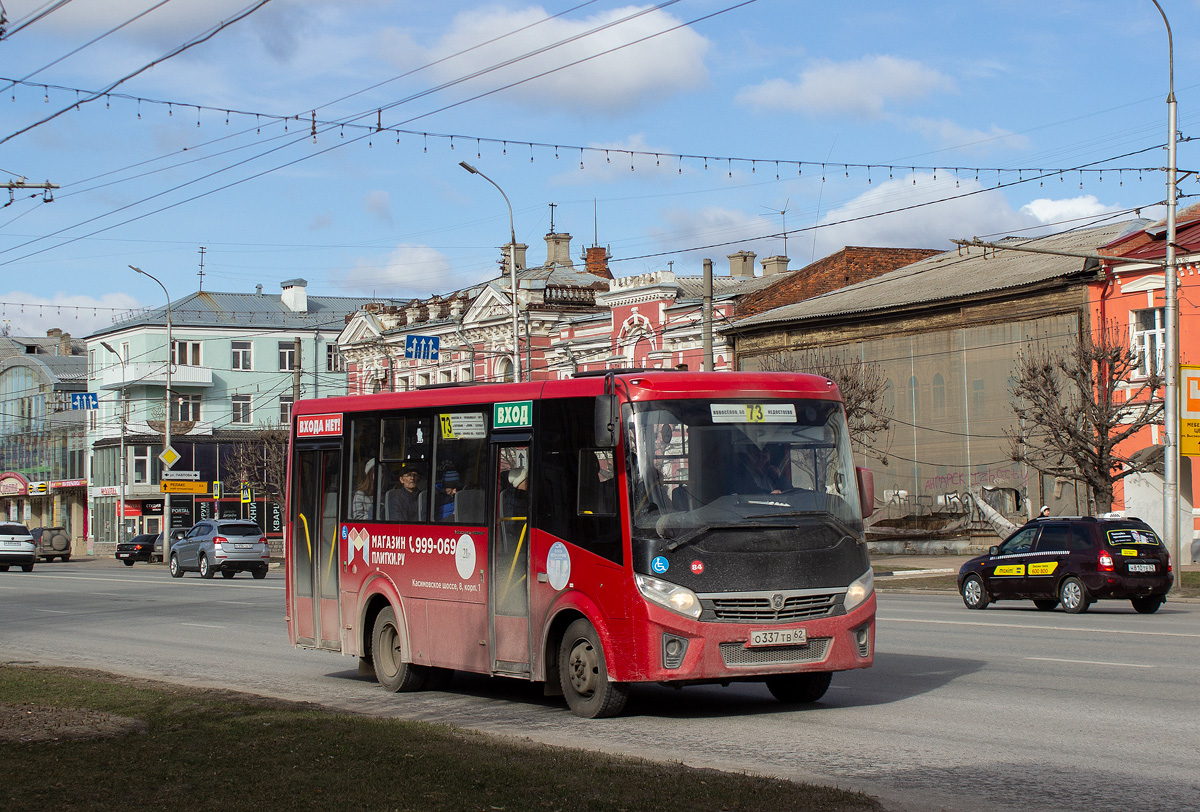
<point x="778" y="86"/>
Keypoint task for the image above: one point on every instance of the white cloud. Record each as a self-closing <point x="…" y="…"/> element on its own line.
<point x="862" y="87"/>
<point x="631" y="77"/>
<point x="410" y="270"/>
<point x="987" y="214"/>
<point x="379" y="203"/>
<point x="28" y="314"/>
<point x="954" y="136"/>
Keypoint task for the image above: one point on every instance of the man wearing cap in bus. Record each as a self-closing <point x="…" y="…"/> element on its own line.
<point x="404" y="503"/>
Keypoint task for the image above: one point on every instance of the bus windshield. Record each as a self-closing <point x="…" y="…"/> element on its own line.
<point x="698" y="464"/>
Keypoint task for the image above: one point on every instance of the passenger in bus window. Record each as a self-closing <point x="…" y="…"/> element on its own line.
<point x="444" y="503"/>
<point x="404" y="503"/>
<point x="362" y="504"/>
<point x="515" y="499"/>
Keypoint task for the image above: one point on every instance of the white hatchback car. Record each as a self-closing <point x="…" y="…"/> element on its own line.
<point x="16" y="547"/>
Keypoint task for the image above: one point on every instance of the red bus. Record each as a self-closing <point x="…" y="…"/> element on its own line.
<point x="589" y="534"/>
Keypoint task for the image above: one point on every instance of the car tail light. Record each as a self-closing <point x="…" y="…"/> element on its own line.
<point x="220" y="540"/>
<point x="262" y="540"/>
<point x="1106" y="562"/>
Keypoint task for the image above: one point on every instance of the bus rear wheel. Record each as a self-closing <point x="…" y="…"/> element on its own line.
<point x="386" y="653"/>
<point x="799" y="689"/>
<point x="584" y="675"/>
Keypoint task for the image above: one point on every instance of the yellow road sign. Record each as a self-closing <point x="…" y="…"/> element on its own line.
<point x="1189" y="411"/>
<point x="183" y="486"/>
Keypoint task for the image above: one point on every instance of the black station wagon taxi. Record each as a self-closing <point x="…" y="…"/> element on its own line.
<point x="1072" y="561"/>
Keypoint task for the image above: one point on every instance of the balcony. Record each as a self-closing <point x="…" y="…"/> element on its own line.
<point x="149" y="373"/>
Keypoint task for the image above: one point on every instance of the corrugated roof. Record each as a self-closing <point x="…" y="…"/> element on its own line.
<point x="208" y="309"/>
<point x="692" y="287"/>
<point x="949" y="276"/>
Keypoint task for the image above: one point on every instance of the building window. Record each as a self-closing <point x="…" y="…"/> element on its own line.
<point x="187" y="408"/>
<point x="187" y="353"/>
<point x="140" y="457"/>
<point x="125" y="351"/>
<point x="334" y="362"/>
<point x="241" y="409"/>
<point x="914" y="395"/>
<point x="241" y="355"/>
<point x="977" y="395"/>
<point x="285" y="409"/>
<point x="939" y="396"/>
<point x="91" y="363"/>
<point x="287" y="356"/>
<point x="1148" y="335"/>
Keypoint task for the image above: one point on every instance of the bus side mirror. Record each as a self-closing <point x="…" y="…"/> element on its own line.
<point x="866" y="491"/>
<point x="605" y="419"/>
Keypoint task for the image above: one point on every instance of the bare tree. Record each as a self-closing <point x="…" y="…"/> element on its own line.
<point x="260" y="461"/>
<point x="1071" y="419"/>
<point x="862" y="385"/>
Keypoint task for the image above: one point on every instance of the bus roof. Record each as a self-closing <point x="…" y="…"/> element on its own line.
<point x="636" y="386"/>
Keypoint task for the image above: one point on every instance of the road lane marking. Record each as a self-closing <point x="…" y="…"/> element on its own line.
<point x="202" y="625"/>
<point x="1089" y="662"/>
<point x="241" y="603"/>
<point x="142" y="581"/>
<point x="1038" y="627"/>
<point x="53" y="611"/>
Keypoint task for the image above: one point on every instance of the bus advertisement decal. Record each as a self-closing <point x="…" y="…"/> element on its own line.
<point x="319" y="425"/>
<point x="437" y="560"/>
<point x="558" y="565"/>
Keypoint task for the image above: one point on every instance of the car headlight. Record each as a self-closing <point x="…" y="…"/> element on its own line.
<point x="860" y="590"/>
<point x="669" y="596"/>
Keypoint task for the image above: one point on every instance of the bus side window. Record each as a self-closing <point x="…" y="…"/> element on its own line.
<point x="597" y="486"/>
<point x="364" y="470"/>
<point x="576" y="496"/>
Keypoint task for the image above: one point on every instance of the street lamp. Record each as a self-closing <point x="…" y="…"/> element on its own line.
<point x="1171" y="534"/>
<point x="124" y="464"/>
<point x="512" y="270"/>
<point x="167" y="422"/>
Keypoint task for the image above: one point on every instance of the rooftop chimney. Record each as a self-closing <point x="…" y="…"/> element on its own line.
<point x="774" y="265"/>
<point x="597" y="258"/>
<point x="521" y="248"/>
<point x="295" y="295"/>
<point x="258" y="289"/>
<point x="64" y="344"/>
<point x="558" y="250"/>
<point x="741" y="264"/>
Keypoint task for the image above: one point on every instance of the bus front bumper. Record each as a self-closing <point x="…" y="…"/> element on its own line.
<point x="677" y="649"/>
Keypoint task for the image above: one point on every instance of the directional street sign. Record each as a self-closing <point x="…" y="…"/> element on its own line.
<point x="169" y="457"/>
<point x="187" y="475"/>
<point x="85" y="400"/>
<point x="422" y="348"/>
<point x="180" y="486"/>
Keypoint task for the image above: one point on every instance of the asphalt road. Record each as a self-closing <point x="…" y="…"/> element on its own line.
<point x="1006" y="709"/>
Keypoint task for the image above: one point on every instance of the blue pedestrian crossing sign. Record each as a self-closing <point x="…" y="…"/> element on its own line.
<point x="422" y="348"/>
<point x="85" y="400"/>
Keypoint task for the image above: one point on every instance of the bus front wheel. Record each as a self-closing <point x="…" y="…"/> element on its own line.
<point x="584" y="675"/>
<point x="390" y="669"/>
<point x="799" y="689"/>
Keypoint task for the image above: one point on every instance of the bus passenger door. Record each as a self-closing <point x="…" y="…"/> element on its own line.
<point x="508" y="532"/>
<point x="313" y="548"/>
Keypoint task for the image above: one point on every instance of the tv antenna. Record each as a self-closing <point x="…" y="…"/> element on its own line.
<point x="783" y="214"/>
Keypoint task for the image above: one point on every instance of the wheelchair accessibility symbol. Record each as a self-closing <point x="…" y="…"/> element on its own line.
<point x="659" y="564"/>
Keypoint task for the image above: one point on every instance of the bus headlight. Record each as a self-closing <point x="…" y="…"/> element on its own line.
<point x="669" y="596"/>
<point x="860" y="590"/>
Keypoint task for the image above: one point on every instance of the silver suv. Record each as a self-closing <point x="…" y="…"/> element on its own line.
<point x="16" y="547"/>
<point x="228" y="546"/>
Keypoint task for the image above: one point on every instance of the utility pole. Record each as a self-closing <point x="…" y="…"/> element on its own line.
<point x="706" y="319"/>
<point x="295" y="371"/>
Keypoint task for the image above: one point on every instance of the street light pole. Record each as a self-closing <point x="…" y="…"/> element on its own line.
<point x="512" y="269"/>
<point x="124" y="464"/>
<point x="167" y="421"/>
<point x="1172" y="538"/>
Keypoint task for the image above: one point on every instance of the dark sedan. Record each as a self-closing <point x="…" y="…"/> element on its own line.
<point x="145" y="547"/>
<point x="1072" y="561"/>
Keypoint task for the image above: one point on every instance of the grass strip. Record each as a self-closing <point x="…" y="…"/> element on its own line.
<point x="187" y="749"/>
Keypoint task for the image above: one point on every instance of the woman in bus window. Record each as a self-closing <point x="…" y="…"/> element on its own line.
<point x="362" y="504"/>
